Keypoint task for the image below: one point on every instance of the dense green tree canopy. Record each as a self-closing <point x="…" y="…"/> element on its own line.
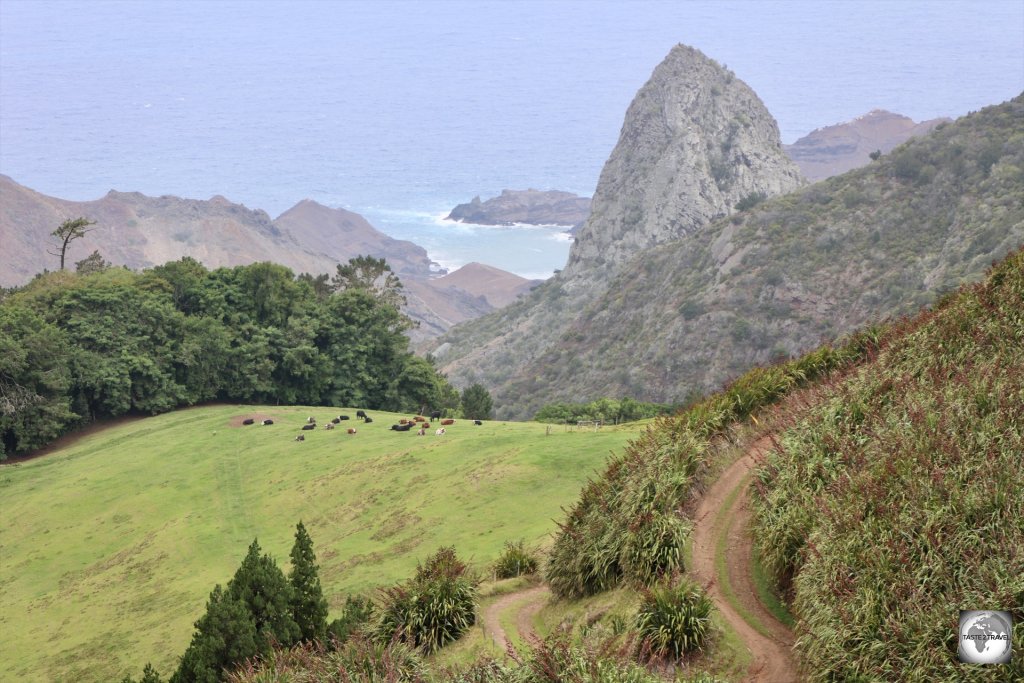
<point x="477" y="403"/>
<point x="107" y="341"/>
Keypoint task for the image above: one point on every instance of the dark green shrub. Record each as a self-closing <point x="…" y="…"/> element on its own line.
<point x="750" y="201"/>
<point x="675" y="618"/>
<point x="431" y="610"/>
<point x="515" y="560"/>
<point x="357" y="612"/>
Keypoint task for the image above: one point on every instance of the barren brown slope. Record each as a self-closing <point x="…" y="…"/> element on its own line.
<point x="138" y="231"/>
<point x="842" y="147"/>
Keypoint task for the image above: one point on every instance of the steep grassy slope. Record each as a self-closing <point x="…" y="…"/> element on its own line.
<point x="112" y="544"/>
<point x="899" y="499"/>
<point x="776" y="279"/>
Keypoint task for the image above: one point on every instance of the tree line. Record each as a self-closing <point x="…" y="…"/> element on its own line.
<point x="106" y="342"/>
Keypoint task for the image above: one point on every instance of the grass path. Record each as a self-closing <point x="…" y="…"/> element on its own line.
<point x="722" y="558"/>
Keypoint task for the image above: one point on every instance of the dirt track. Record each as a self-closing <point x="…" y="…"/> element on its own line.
<point x="725" y="512"/>
<point x="528" y="601"/>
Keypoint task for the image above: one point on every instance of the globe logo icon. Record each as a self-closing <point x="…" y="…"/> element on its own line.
<point x="985" y="637"/>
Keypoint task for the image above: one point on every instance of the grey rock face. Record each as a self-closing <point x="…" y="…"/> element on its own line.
<point x="695" y="141"/>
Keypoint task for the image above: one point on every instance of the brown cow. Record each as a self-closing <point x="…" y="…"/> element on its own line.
<point x="447" y="422"/>
<point x="351" y="430"/>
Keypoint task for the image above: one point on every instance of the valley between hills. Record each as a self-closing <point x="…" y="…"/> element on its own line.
<point x="839" y="474"/>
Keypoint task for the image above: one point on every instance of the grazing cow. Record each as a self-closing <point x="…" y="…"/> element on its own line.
<point x="336" y="420"/>
<point x="436" y="415"/>
<point x="329" y="425"/>
<point x="477" y="422"/>
<point x="300" y="437"/>
<point x="343" y="417"/>
<point x="351" y="430"/>
<point x="311" y="420"/>
<point x="248" y="421"/>
<point x="439" y="432"/>
<point x="309" y="426"/>
<point x="449" y="421"/>
<point x="368" y="420"/>
<point x="360" y="413"/>
<point x="402" y="427"/>
<point x="267" y="422"/>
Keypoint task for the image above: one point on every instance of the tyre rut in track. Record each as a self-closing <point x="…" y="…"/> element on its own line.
<point x="724" y="512"/>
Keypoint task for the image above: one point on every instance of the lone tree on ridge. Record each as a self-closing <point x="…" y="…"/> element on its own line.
<point x="67" y="232"/>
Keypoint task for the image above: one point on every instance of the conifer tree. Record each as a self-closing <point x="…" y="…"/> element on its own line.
<point x="309" y="608"/>
<point x="225" y="636"/>
<point x="265" y="591"/>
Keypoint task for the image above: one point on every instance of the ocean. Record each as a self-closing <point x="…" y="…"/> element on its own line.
<point x="401" y="110"/>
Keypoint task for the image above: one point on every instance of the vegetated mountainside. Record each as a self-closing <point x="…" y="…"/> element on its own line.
<point x="695" y="141"/>
<point x="882" y="240"/>
<point x="898" y="498"/>
<point x="138" y="231"/>
<point x="533" y="207"/>
<point x="842" y="147"/>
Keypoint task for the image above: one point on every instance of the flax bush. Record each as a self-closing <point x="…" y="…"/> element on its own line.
<point x="674" y="618"/>
<point x="433" y="609"/>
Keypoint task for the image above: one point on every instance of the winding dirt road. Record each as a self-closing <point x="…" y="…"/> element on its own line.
<point x="724" y="512"/>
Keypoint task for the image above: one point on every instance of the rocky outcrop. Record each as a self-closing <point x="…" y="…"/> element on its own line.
<point x="530" y="207"/>
<point x="684" y="317"/>
<point x="836" y="149"/>
<point x="138" y="231"/>
<point x="695" y="141"/>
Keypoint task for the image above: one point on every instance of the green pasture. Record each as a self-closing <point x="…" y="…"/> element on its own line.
<point x="111" y="545"/>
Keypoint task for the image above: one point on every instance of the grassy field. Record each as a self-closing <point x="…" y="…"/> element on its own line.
<point x="112" y="544"/>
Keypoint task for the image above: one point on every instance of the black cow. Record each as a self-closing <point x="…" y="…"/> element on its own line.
<point x="248" y="421"/>
<point x="436" y="415"/>
<point x="267" y="422"/>
<point x="300" y="437"/>
<point x="477" y="422"/>
<point x="311" y="420"/>
<point x="360" y="413"/>
<point x="343" y="417"/>
<point x="336" y="420"/>
<point x="368" y="420"/>
<point x="402" y="428"/>
<point x="309" y="426"/>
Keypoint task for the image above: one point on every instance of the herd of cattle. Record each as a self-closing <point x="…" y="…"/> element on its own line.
<point x="421" y="423"/>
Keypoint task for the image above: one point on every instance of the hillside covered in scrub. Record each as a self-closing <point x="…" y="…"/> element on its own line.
<point x="896" y="500"/>
<point x="772" y="280"/>
<point x="890" y="500"/>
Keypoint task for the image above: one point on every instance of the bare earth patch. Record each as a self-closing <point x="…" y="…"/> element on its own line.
<point x="237" y="420"/>
<point x="527" y="602"/>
